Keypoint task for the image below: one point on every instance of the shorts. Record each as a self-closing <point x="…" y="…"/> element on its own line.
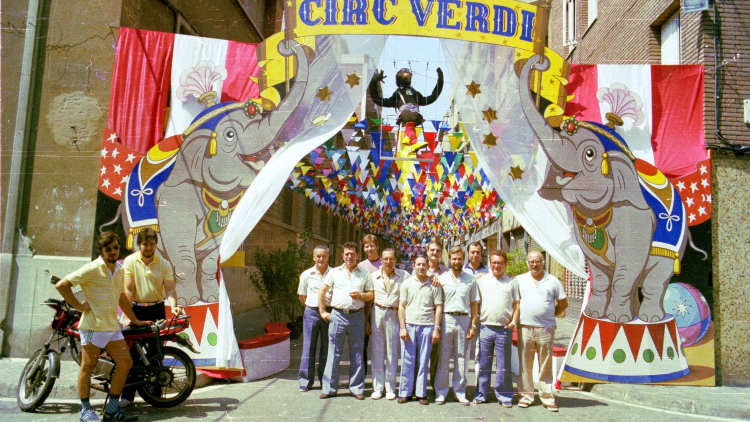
<point x="100" y="338"/>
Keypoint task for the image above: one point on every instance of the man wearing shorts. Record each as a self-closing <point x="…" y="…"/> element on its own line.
<point x="101" y="283"/>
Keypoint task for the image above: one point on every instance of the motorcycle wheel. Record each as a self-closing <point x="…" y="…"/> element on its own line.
<point x="174" y="386"/>
<point x="75" y="349"/>
<point x="34" y="386"/>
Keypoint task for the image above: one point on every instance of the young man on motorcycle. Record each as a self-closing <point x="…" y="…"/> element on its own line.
<point x="101" y="283"/>
<point x="148" y="280"/>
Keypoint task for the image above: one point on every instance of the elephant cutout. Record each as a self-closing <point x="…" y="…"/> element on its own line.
<point x="629" y="220"/>
<point x="187" y="186"/>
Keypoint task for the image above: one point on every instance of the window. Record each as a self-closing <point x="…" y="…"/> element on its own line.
<point x="670" y="40"/>
<point x="569" y="22"/>
<point x="592" y="12"/>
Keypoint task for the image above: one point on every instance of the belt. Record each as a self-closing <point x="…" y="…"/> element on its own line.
<point x="348" y="311"/>
<point x="457" y="313"/>
<point x="148" y="303"/>
<point x="328" y="308"/>
<point x="386" y="307"/>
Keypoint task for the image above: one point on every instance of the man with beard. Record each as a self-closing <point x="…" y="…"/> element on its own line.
<point x="101" y="283"/>
<point x="350" y="288"/>
<point x="459" y="326"/>
<point x="148" y="281"/>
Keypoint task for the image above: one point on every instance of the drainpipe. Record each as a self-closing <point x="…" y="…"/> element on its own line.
<point x="33" y="44"/>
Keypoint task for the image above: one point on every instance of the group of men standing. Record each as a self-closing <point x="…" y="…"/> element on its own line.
<point x="428" y="318"/>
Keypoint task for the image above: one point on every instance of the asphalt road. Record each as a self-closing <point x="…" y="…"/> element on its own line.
<point x="278" y="399"/>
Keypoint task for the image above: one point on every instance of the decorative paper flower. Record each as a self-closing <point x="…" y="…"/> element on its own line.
<point x="624" y="102"/>
<point x="200" y="79"/>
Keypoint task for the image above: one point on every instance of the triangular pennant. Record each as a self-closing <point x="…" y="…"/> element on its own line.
<point x="673" y="334"/>
<point x="607" y="334"/>
<point x="588" y="328"/>
<point x="657" y="335"/>
<point x="197" y="316"/>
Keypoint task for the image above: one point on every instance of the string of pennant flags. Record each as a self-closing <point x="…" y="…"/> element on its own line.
<point x="405" y="196"/>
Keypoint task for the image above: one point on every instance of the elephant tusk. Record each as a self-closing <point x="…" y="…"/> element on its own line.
<point x="562" y="181"/>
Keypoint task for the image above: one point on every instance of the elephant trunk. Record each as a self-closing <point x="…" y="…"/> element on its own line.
<point x="551" y="142"/>
<point x="271" y="125"/>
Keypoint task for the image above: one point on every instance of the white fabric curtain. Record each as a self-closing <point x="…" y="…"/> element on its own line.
<point x="336" y="57"/>
<point x="491" y="66"/>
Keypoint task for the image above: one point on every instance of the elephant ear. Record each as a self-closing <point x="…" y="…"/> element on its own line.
<point x="626" y="185"/>
<point x="188" y="167"/>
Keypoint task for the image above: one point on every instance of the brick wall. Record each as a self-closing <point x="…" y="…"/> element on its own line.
<point x="628" y="32"/>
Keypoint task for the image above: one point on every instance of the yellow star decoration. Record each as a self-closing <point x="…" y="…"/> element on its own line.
<point x="489" y="115"/>
<point x="324" y="94"/>
<point x="473" y="89"/>
<point x="352" y="79"/>
<point x="515" y="172"/>
<point x="490" y="140"/>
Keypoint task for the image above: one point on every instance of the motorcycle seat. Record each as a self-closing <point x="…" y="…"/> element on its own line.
<point x="140" y="330"/>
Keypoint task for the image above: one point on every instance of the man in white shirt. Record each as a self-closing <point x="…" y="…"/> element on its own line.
<point x="384" y="328"/>
<point x="314" y="327"/>
<point x="459" y="326"/>
<point x="419" y="316"/>
<point x="350" y="288"/>
<point x="539" y="293"/>
<point x="498" y="316"/>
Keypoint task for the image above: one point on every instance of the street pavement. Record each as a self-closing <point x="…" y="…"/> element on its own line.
<point x="277" y="398"/>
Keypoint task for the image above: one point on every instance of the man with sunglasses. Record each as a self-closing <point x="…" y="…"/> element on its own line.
<point x="148" y="279"/>
<point x="101" y="283"/>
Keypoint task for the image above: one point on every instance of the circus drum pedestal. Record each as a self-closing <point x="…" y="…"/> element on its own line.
<point x="635" y="352"/>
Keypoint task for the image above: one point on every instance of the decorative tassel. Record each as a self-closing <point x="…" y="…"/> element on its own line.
<point x="212" y="145"/>
<point x="605" y="164"/>
<point x="677" y="267"/>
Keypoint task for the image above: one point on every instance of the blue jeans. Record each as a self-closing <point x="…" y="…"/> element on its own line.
<point x="495" y="340"/>
<point x="314" y="327"/>
<point x="351" y="326"/>
<point x="418" y="347"/>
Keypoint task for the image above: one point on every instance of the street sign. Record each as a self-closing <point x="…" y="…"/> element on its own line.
<point x="694" y="5"/>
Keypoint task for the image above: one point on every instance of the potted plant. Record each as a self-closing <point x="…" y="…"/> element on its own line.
<point x="276" y="279"/>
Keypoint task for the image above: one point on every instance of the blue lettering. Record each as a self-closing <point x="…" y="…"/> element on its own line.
<point x="330" y="13"/>
<point x="378" y="9"/>
<point x="476" y="15"/>
<point x="419" y="13"/>
<point x="445" y="13"/>
<point x="304" y="12"/>
<point x="527" y="25"/>
<point x="354" y="14"/>
<point x="505" y="21"/>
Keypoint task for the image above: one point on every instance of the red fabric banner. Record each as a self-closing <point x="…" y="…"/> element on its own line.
<point x="140" y="87"/>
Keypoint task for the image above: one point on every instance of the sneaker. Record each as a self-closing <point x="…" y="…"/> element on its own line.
<point x="89" y="415"/>
<point x="377" y="395"/>
<point x="507" y="404"/>
<point x="440" y="400"/>
<point x="478" y="401"/>
<point x="125" y="403"/>
<point x="390" y="396"/>
<point x="120" y="415"/>
<point x="301" y="390"/>
<point x="462" y="400"/>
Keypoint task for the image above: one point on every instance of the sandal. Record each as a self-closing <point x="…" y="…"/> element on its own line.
<point x="551" y="407"/>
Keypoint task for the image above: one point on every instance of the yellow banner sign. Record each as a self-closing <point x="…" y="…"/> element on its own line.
<point x="503" y="22"/>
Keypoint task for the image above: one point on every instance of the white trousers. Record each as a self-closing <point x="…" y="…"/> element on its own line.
<point x="453" y="344"/>
<point x="385" y="344"/>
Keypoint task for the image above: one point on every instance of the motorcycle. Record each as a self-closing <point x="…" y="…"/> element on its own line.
<point x="164" y="377"/>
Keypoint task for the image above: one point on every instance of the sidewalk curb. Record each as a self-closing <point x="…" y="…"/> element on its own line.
<point x="647" y="395"/>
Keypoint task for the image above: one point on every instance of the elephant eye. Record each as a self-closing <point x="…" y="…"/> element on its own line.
<point x="589" y="154"/>
<point x="229" y="135"/>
